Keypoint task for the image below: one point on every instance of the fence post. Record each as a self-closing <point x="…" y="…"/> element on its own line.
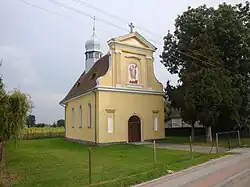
<point x="228" y="141"/>
<point x="154" y="155"/>
<point x="239" y="138"/>
<point x="217" y="144"/>
<point x="191" y="147"/>
<point x="90" y="164"/>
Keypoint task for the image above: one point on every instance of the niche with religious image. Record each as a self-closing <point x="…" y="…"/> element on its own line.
<point x="133" y="73"/>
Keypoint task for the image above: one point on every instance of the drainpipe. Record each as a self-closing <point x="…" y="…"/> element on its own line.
<point x="95" y="138"/>
<point x="64" y="116"/>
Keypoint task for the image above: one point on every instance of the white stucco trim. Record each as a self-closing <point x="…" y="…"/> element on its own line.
<point x="86" y="93"/>
<point x="149" y="57"/>
<point x="134" y="34"/>
<point x="118" y="85"/>
<point x="133" y="56"/>
<point x="134" y="85"/>
<point x="118" y="51"/>
<point x="131" y="46"/>
<point x="112" y="89"/>
<point x="126" y="90"/>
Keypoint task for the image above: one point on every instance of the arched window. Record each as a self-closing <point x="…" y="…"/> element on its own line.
<point x="89" y="116"/>
<point x="80" y="117"/>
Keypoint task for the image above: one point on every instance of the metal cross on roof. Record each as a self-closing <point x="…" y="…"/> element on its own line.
<point x="131" y="27"/>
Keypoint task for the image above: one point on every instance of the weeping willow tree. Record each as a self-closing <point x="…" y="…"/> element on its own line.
<point x="14" y="108"/>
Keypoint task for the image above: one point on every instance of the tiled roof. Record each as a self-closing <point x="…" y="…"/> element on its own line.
<point x="87" y="81"/>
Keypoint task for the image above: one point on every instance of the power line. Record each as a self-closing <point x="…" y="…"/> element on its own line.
<point x="115" y="25"/>
<point x="92" y="17"/>
<point x="57" y="14"/>
<point x="113" y="16"/>
<point x="41" y="8"/>
<point x="85" y="14"/>
<point x="79" y="12"/>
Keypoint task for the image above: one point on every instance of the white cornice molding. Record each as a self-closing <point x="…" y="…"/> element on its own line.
<point x="112" y="89"/>
<point x="130" y="46"/>
<point x="149" y="57"/>
<point x="118" y="51"/>
<point x="126" y="90"/>
<point x="133" y="56"/>
<point x="135" y="85"/>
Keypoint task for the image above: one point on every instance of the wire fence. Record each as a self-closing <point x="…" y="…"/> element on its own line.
<point x="152" y="167"/>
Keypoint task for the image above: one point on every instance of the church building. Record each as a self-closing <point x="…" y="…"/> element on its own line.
<point x="117" y="98"/>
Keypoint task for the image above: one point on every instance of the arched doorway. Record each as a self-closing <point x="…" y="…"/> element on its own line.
<point x="134" y="129"/>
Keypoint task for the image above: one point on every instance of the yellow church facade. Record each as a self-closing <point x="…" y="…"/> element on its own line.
<point x="117" y="98"/>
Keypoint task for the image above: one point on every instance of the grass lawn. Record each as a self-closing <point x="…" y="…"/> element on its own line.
<point x="223" y="142"/>
<point x="57" y="163"/>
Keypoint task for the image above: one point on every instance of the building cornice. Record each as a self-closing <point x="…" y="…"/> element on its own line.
<point x="130" y="46"/>
<point x="122" y="90"/>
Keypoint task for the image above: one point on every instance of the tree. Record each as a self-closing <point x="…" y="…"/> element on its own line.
<point x="60" y="123"/>
<point x="176" y="95"/>
<point x="210" y="51"/>
<point x="14" y="108"/>
<point x="31" y="121"/>
<point x="40" y="125"/>
<point x="54" y="124"/>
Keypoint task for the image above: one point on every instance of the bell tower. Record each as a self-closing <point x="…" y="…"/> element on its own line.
<point x="93" y="51"/>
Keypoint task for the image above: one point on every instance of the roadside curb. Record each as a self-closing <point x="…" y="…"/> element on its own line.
<point x="185" y="171"/>
<point x="233" y="179"/>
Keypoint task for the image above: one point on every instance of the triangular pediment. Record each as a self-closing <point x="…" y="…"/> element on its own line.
<point x="134" y="39"/>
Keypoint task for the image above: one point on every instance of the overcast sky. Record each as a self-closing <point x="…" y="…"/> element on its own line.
<point x="43" y="51"/>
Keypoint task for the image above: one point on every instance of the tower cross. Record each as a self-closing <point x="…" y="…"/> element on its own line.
<point x="131" y="27"/>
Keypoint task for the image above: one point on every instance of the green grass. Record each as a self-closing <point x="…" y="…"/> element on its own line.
<point x="57" y="163"/>
<point x="223" y="142"/>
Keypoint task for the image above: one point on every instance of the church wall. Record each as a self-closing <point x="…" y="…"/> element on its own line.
<point x="80" y="133"/>
<point x="124" y="105"/>
<point x="118" y="76"/>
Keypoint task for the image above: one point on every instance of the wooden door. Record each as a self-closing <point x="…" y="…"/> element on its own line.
<point x="134" y="129"/>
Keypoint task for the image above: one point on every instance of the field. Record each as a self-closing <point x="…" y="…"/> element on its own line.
<point x="55" y="162"/>
<point x="45" y="132"/>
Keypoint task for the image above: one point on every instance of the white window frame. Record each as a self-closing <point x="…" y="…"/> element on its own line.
<point x="155" y="122"/>
<point x="89" y="116"/>
<point x="72" y="117"/>
<point x="80" y="117"/>
<point x="110" y="123"/>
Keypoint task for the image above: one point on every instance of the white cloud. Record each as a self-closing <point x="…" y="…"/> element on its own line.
<point x="17" y="68"/>
<point x="47" y="108"/>
<point x="51" y="56"/>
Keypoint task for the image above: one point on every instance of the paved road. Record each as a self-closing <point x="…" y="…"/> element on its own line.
<point x="241" y="179"/>
<point x="241" y="183"/>
<point x="229" y="171"/>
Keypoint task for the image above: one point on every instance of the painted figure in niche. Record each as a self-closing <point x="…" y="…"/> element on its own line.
<point x="133" y="73"/>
